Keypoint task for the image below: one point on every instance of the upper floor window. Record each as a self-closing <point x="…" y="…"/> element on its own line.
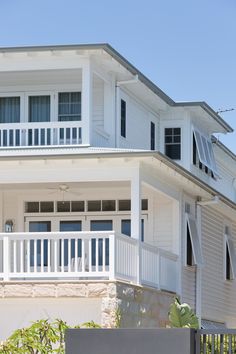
<point x="39" y="108"/>
<point x="123" y="118"/>
<point x="69" y="106"/>
<point x="230" y="256"/>
<point x="203" y="155"/>
<point x="173" y="143"/>
<point x="9" y="109"/>
<point x="152" y="136"/>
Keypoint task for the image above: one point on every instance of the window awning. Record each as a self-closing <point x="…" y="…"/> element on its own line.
<point x="232" y="254"/>
<point x="205" y="152"/>
<point x="196" y="246"/>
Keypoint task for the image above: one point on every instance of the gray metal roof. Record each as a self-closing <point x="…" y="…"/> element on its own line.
<point x="116" y="55"/>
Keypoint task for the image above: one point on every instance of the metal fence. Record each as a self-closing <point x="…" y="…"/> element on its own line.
<point x="215" y="341"/>
<point x="150" y="341"/>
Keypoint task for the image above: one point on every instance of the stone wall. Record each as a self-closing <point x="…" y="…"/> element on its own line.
<point x="133" y="305"/>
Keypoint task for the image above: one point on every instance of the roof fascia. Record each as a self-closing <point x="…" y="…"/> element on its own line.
<point x="208" y="110"/>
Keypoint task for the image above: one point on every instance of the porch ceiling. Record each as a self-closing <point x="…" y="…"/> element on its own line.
<point x="41" y="77"/>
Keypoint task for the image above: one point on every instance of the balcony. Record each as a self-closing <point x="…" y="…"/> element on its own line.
<point x="41" y="134"/>
<point x="86" y="255"/>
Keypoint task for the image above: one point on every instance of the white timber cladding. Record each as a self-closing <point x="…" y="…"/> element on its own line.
<point x="138" y="122"/>
<point x="189" y="273"/>
<point x="218" y="294"/>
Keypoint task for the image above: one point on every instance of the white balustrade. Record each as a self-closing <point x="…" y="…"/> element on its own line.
<point x="40" y="134"/>
<point x="150" y="265"/>
<point x="168" y="270"/>
<point x="85" y="255"/>
<point x="126" y="258"/>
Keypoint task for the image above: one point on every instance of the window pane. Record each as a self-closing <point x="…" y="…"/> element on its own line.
<point x="152" y="136"/>
<point x="126" y="227"/>
<point x="124" y="205"/>
<point x="168" y="131"/>
<point x="69" y="106"/>
<point x="123" y="119"/>
<point x="39" y="108"/>
<point x="173" y="151"/>
<point x="32" y="207"/>
<point x="176" y="131"/>
<point x="144" y="204"/>
<point x="94" y="205"/>
<point x="108" y="205"/>
<point x="46" y="207"/>
<point x="77" y="205"/>
<point x="9" y="109"/>
<point x="63" y="206"/>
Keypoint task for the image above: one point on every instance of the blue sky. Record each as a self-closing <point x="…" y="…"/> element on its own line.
<point x="187" y="47"/>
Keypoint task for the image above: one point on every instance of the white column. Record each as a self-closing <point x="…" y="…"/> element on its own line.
<point x="136" y="206"/>
<point x="87" y="107"/>
<point x="136" y="220"/>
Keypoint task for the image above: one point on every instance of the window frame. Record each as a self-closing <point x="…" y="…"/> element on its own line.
<point x="197" y="257"/>
<point x="123" y="119"/>
<point x="57" y="103"/>
<point x="173" y="143"/>
<point x="204" y="152"/>
<point x="15" y="94"/>
<point x="39" y="93"/>
<point x="152" y="136"/>
<point x="229" y="255"/>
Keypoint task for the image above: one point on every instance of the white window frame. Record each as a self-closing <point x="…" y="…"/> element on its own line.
<point x="205" y="151"/>
<point x="195" y="240"/>
<point x="229" y="244"/>
<point x="56" y="100"/>
<point x="39" y="93"/>
<point x="22" y="104"/>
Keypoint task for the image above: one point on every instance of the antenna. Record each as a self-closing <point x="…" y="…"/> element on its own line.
<point x="225" y="110"/>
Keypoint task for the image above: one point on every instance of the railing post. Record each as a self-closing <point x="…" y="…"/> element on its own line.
<point x="112" y="256"/>
<point x="6" y="261"/>
<point x="139" y="262"/>
<point x="159" y="270"/>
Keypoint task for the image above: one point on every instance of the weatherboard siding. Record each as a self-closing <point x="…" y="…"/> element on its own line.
<point x="218" y="294"/>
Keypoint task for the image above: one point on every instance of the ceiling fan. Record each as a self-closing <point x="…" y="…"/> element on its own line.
<point x="63" y="188"/>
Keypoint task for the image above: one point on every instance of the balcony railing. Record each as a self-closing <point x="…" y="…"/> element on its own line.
<point x="85" y="255"/>
<point x="40" y="134"/>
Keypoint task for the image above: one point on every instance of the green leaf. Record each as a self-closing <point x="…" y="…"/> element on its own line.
<point x="182" y="316"/>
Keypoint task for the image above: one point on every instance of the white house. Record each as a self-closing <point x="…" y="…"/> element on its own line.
<point x="113" y="197"/>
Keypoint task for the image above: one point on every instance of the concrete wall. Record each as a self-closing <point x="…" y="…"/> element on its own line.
<point x="78" y="302"/>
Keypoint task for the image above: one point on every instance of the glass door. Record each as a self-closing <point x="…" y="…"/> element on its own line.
<point x="100" y="225"/>
<point x="39" y="226"/>
<point x="70" y="226"/>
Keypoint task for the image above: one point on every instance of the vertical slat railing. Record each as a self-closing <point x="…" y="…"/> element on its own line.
<point x="220" y="341"/>
<point x="36" y="134"/>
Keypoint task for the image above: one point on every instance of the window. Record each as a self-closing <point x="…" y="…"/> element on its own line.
<point x="123" y="118"/>
<point x="173" y="143"/>
<point x="126" y="228"/>
<point x="230" y="256"/>
<point x="152" y="136"/>
<point x="69" y="106"/>
<point x="193" y="247"/>
<point x="39" y="207"/>
<point x="9" y="109"/>
<point x="39" y="108"/>
<point x="203" y="154"/>
<point x="124" y="205"/>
